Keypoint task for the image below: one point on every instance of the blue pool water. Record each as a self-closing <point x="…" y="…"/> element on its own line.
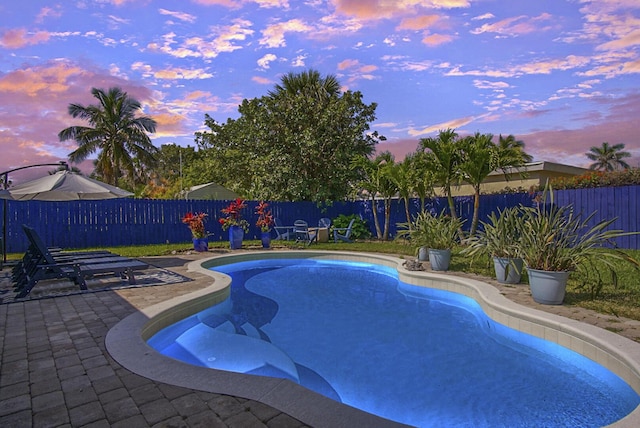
<point x="425" y="357"/>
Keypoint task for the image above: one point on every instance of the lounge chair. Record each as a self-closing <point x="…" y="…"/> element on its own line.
<point x="283" y="233"/>
<point x="343" y="233"/>
<point x="303" y="234"/>
<point x="42" y="264"/>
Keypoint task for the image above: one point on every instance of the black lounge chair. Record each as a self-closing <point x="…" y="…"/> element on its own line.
<point x="43" y="265"/>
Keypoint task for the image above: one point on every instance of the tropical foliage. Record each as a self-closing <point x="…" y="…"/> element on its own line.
<point x="233" y="215"/>
<point x="295" y="144"/>
<point x="499" y="236"/>
<point x="120" y="137"/>
<point x="607" y="157"/>
<point x="359" y="229"/>
<point x="555" y="238"/>
<point x="195" y="222"/>
<point x="265" y="217"/>
<point x="434" y="231"/>
<point x="626" y="177"/>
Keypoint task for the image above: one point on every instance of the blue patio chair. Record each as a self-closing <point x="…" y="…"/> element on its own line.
<point x="283" y="233"/>
<point x="343" y="233"/>
<point x="303" y="234"/>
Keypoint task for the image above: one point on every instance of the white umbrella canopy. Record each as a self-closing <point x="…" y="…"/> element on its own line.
<point x="63" y="186"/>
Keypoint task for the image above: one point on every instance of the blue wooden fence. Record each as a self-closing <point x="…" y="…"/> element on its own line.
<point x="116" y="222"/>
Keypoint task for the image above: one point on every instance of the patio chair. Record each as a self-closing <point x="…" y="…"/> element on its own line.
<point x="343" y="233"/>
<point x="43" y="265"/>
<point x="283" y="233"/>
<point x="303" y="234"/>
<point x="324" y="222"/>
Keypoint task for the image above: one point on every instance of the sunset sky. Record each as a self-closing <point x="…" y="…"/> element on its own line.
<point x="561" y="75"/>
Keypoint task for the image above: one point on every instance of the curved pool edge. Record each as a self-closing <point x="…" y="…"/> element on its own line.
<point x="126" y="341"/>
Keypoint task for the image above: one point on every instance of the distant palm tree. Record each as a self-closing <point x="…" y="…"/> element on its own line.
<point x="512" y="152"/>
<point x="608" y="158"/>
<point x="308" y="83"/>
<point x="116" y="132"/>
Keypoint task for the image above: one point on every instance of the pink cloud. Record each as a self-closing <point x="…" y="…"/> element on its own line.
<point x="19" y="37"/>
<point x="33" y="109"/>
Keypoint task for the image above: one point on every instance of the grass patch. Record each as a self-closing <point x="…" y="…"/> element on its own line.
<point x="620" y="299"/>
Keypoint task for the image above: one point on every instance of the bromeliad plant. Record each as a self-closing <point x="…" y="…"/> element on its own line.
<point x="196" y="224"/>
<point x="265" y="218"/>
<point x="234" y="215"/>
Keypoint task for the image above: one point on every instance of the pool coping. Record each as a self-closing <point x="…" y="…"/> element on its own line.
<point x="126" y="341"/>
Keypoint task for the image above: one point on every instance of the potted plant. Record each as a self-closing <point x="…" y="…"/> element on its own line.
<point x="265" y="222"/>
<point x="438" y="233"/>
<point x="555" y="242"/>
<point x="198" y="233"/>
<point x="498" y="238"/>
<point x="234" y="222"/>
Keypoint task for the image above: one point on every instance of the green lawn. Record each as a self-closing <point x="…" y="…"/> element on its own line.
<point x="622" y="299"/>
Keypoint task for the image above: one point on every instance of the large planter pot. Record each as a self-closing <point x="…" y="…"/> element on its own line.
<point x="508" y="270"/>
<point x="439" y="259"/>
<point x="265" y="237"/>
<point x="236" y="234"/>
<point x="201" y="244"/>
<point x="423" y="254"/>
<point x="547" y="287"/>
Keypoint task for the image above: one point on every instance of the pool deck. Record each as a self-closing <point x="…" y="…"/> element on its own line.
<point x="55" y="369"/>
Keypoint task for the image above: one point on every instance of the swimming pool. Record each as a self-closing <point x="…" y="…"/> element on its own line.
<point x="352" y="332"/>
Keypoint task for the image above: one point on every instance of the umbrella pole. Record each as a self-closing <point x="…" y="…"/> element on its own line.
<point x="5" y="185"/>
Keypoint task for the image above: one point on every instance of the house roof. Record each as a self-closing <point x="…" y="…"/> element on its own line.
<point x="210" y="191"/>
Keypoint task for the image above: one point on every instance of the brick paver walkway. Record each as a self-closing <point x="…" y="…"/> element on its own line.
<point x="55" y="371"/>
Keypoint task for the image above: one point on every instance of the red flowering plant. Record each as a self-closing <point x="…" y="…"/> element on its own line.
<point x="234" y="215"/>
<point x="265" y="218"/>
<point x="196" y="224"/>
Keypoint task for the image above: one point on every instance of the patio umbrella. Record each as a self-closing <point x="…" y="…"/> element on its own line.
<point x="63" y="186"/>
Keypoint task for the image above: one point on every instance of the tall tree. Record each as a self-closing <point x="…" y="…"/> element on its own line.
<point x="444" y="154"/>
<point x="295" y="144"/>
<point x="511" y="152"/>
<point x="376" y="179"/>
<point x="116" y="133"/>
<point x="479" y="160"/>
<point x="608" y="158"/>
<point x="482" y="157"/>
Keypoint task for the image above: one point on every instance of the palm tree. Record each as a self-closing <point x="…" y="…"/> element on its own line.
<point x="445" y="156"/>
<point x="308" y="83"/>
<point x="608" y="158"/>
<point x="115" y="131"/>
<point x="480" y="160"/>
<point x="512" y="152"/>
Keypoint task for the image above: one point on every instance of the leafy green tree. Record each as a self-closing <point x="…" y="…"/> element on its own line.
<point x="608" y="158"/>
<point x="120" y="137"/>
<point x="296" y="144"/>
<point x="171" y="176"/>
